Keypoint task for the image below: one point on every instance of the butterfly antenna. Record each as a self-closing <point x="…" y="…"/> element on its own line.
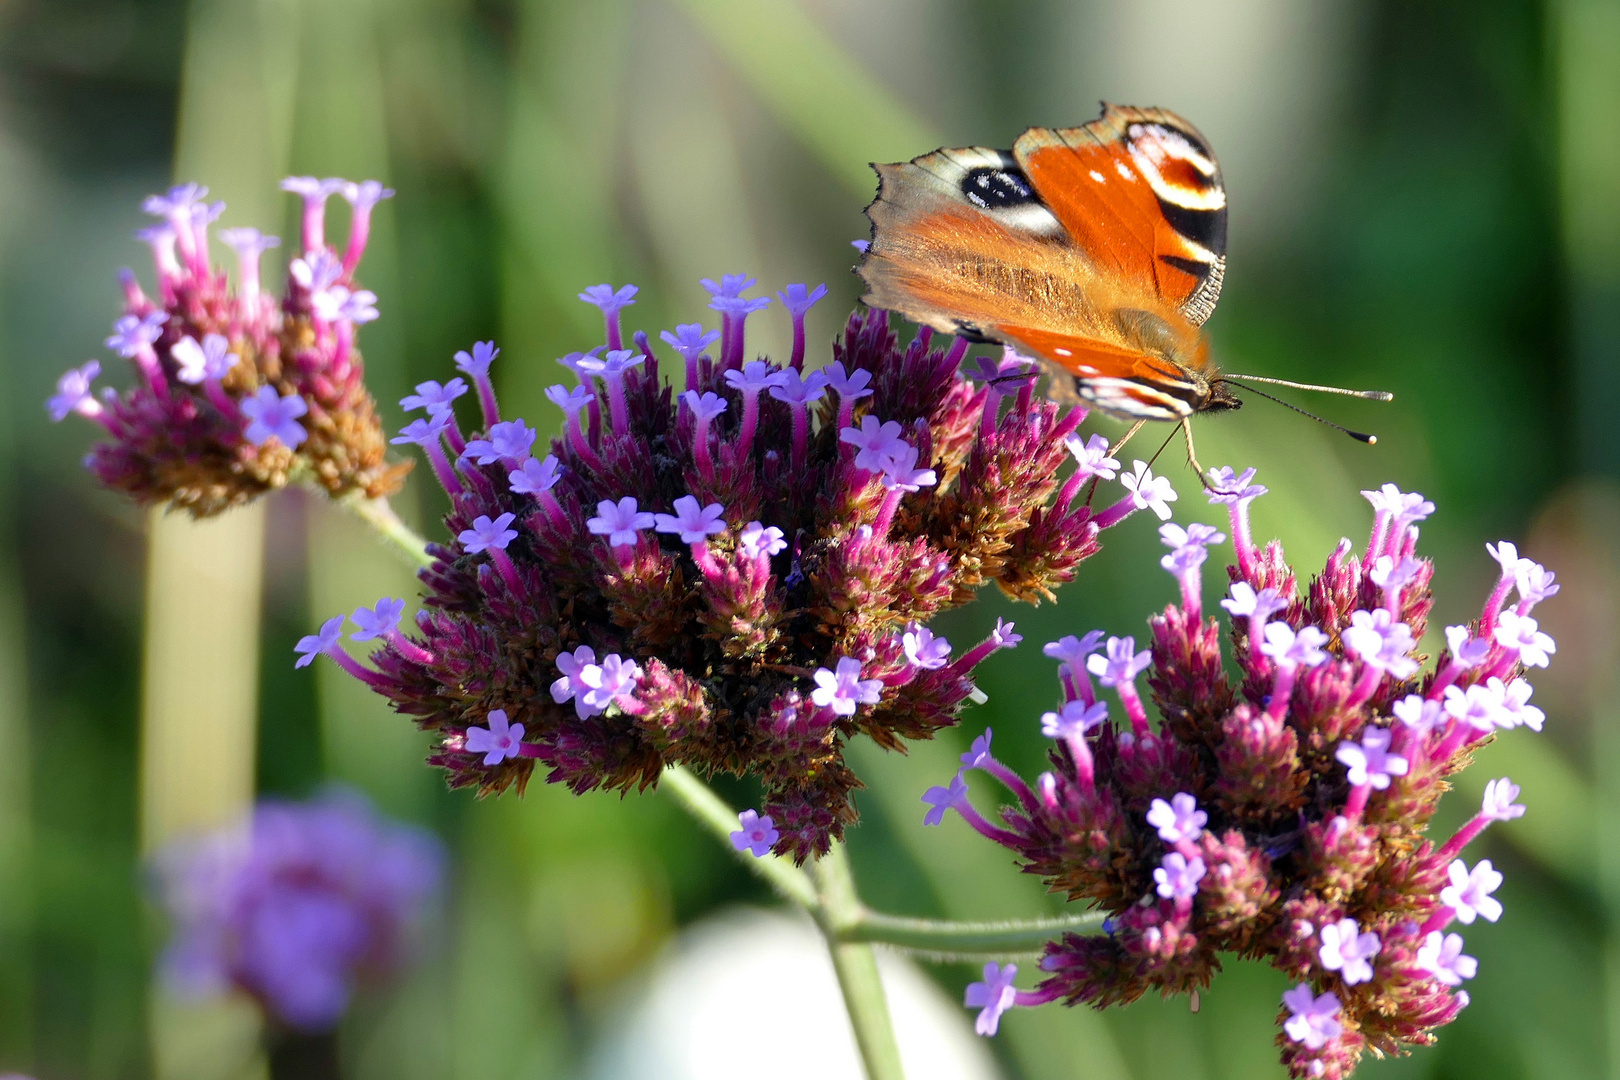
<point x="1370" y="395"/>
<point x="1370" y="440"/>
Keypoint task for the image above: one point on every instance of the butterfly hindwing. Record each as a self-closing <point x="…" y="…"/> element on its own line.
<point x="961" y="243"/>
<point x="1123" y="381"/>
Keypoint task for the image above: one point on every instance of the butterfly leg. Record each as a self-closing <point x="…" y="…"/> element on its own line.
<point x="1113" y="451"/>
<point x="1192" y="455"/>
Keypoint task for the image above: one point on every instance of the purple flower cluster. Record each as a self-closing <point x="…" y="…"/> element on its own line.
<point x="1281" y="815"/>
<point x="238" y="392"/>
<point x="736" y="577"/>
<point x="297" y="907"/>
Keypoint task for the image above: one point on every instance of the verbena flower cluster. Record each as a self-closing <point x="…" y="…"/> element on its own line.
<point x="736" y="577"/>
<point x="1279" y="815"/>
<point x="297" y="907"/>
<point x="238" y="392"/>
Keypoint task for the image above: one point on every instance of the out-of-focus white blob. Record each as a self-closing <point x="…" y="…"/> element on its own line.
<point x="751" y="994"/>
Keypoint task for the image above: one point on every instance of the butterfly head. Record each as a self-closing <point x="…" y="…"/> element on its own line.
<point x="1219" y="397"/>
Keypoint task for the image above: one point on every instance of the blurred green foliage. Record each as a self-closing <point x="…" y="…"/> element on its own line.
<point x="1407" y="200"/>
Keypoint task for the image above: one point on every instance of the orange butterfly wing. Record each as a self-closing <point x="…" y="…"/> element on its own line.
<point x="1106" y="279"/>
<point x="1141" y="194"/>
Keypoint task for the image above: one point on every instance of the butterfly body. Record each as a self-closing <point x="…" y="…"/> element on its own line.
<point x="1098" y="249"/>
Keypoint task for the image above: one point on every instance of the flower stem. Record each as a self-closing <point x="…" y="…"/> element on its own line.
<point x="839" y="910"/>
<point x="952" y="941"/>
<point x="711" y="811"/>
<point x="381" y="517"/>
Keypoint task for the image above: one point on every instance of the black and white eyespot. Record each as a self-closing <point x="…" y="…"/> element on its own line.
<point x="992" y="181"/>
<point x="996" y="189"/>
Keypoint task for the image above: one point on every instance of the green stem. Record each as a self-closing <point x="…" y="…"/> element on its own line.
<point x="942" y="940"/>
<point x="711" y="811"/>
<point x="840" y="910"/>
<point x="381" y="517"/>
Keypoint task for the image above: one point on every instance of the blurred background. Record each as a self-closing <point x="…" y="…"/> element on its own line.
<point x="1425" y="198"/>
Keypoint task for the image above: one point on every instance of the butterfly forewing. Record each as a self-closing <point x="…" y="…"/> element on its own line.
<point x="1141" y="193"/>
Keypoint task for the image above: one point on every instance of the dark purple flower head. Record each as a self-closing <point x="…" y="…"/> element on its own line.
<point x="238" y="392"/>
<point x="298" y="907"/>
<point x="735" y="574"/>
<point x="1279" y="814"/>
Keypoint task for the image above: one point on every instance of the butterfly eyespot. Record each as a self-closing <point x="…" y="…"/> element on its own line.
<point x="993" y="189"/>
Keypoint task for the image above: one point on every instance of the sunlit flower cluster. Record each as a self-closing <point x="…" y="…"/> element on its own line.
<point x="736" y="577"/>
<point x="237" y="391"/>
<point x="1280" y="816"/>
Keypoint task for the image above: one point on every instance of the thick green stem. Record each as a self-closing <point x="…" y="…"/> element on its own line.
<point x="856" y="965"/>
<point x="381" y="517"/>
<point x="711" y="811"/>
